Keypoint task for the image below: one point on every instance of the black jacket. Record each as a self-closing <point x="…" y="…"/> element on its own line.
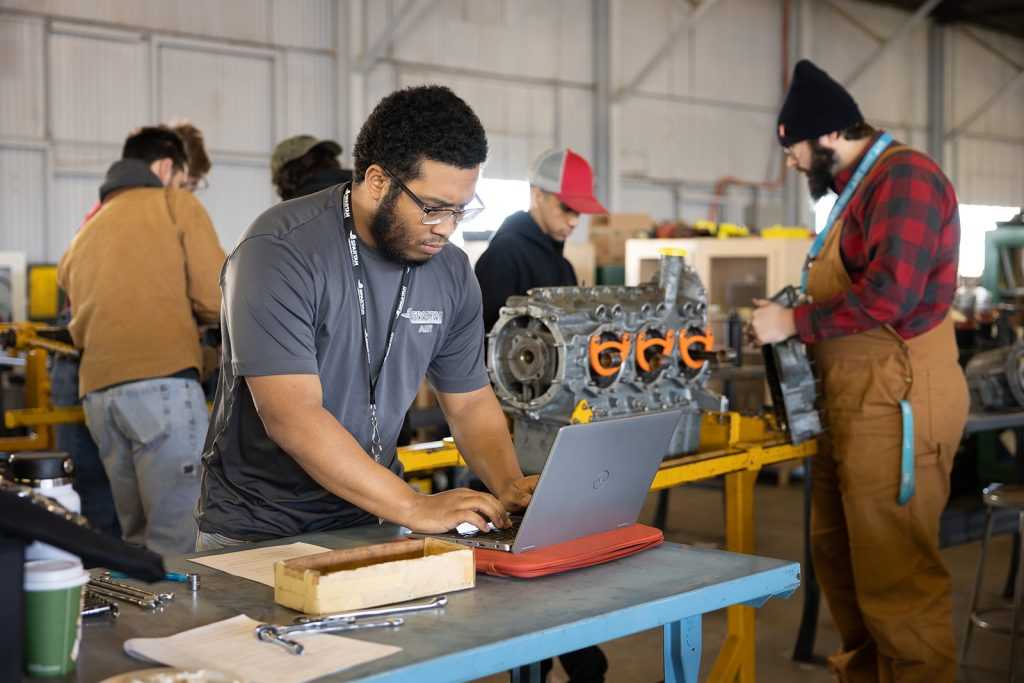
<point x="321" y="179"/>
<point x="519" y="257"/>
<point x="125" y="174"/>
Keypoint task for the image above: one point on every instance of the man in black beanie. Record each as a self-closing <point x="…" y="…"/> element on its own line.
<point x="879" y="281"/>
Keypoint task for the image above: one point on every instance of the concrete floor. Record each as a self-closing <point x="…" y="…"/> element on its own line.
<point x="695" y="518"/>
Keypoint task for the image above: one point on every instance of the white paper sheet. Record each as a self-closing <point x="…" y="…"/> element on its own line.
<point x="231" y="646"/>
<point x="257" y="564"/>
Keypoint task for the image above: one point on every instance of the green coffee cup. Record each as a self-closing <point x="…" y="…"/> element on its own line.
<point x="53" y="615"/>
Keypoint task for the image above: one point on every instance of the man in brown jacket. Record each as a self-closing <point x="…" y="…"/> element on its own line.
<point x="141" y="274"/>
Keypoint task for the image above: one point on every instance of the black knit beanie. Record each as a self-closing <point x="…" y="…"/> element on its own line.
<point x="815" y="105"/>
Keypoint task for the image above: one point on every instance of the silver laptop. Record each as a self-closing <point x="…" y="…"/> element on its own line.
<point x="595" y="479"/>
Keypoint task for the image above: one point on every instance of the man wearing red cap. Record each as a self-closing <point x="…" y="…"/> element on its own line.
<point x="879" y="281"/>
<point x="525" y="253"/>
<point x="527" y="250"/>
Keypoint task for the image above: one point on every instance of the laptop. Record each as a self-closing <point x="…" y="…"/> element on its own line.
<point x="595" y="479"/>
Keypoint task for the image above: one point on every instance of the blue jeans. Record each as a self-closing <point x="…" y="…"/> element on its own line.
<point x="150" y="435"/>
<point x="90" y="479"/>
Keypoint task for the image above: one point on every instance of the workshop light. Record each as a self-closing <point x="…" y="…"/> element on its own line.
<point x="975" y="221"/>
<point x="501" y="198"/>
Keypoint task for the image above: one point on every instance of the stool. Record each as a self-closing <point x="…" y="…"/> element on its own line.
<point x="1007" y="498"/>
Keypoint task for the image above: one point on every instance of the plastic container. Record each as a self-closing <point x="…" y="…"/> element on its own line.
<point x="49" y="474"/>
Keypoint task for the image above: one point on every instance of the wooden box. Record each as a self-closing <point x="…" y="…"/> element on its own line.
<point x="342" y="580"/>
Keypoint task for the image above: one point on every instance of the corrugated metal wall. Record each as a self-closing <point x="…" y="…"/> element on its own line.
<point x="76" y="76"/>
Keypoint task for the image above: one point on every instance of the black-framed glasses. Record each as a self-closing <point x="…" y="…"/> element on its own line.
<point x="435" y="215"/>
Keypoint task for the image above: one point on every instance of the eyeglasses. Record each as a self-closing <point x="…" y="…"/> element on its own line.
<point x="435" y="215"/>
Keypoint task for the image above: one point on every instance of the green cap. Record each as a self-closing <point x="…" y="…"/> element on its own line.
<point x="296" y="146"/>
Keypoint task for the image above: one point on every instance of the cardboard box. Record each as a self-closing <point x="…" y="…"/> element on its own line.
<point x="608" y="234"/>
<point x="343" y="580"/>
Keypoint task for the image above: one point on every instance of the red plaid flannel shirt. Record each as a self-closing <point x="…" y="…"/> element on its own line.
<point x="900" y="245"/>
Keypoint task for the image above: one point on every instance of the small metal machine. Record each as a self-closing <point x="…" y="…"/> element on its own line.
<point x="996" y="379"/>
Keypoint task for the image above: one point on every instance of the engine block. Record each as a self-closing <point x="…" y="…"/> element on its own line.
<point x="623" y="350"/>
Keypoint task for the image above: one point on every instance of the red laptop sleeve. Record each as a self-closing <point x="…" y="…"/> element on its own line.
<point x="581" y="552"/>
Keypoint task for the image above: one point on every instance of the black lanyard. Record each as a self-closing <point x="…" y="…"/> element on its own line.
<point x="376" y="448"/>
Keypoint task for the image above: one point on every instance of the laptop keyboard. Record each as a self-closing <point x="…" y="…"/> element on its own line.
<point x="508" y="534"/>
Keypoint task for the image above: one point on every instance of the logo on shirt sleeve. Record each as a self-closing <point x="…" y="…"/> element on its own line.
<point x="424" y="320"/>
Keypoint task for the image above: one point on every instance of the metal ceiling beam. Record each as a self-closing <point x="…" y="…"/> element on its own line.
<point x="988" y="47"/>
<point x="854" y="21"/>
<point x="1005" y="89"/>
<point x="913" y="20"/>
<point x="665" y="49"/>
<point x="408" y="18"/>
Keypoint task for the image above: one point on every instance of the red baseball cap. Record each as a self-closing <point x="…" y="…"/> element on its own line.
<point x="567" y="175"/>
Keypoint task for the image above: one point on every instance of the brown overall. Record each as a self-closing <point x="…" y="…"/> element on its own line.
<point x="878" y="562"/>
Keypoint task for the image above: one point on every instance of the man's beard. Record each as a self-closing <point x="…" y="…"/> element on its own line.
<point x="389" y="233"/>
<point x="819" y="175"/>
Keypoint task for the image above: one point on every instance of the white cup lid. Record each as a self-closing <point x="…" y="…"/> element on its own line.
<point x="42" y="575"/>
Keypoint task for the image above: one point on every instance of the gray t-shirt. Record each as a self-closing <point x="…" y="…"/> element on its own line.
<point x="289" y="307"/>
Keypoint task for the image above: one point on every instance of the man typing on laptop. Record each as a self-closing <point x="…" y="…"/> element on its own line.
<point x="335" y="306"/>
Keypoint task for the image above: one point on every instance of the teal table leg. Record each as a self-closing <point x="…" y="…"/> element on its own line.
<point x="682" y="650"/>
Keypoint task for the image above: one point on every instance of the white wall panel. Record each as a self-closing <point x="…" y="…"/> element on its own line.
<point x="651" y="199"/>
<point x="236" y="19"/>
<point x="21" y="78"/>
<point x="73" y="196"/>
<point x="694" y="142"/>
<point x="227" y="95"/>
<point x="576" y="120"/>
<point x="522" y="38"/>
<point x="22" y="202"/>
<point x="237" y="195"/>
<point x="977" y="74"/>
<point x="303" y="23"/>
<point x="895" y="88"/>
<point x="310" y="87"/>
<point x="737" y="53"/>
<point x="990" y="172"/>
<point x="639" y="27"/>
<point x="98" y="87"/>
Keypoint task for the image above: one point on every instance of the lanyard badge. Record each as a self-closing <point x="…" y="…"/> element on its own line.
<point x="372" y="378"/>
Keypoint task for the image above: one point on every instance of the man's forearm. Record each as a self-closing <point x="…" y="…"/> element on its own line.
<point x="481" y="433"/>
<point x="330" y="455"/>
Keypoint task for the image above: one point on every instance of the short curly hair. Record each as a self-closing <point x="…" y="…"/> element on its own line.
<point x="413" y="124"/>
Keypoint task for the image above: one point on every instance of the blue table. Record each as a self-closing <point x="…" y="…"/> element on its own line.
<point x="500" y="625"/>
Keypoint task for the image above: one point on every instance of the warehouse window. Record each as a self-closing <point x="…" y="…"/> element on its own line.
<point x="822" y="207"/>
<point x="502" y="198"/>
<point x="975" y="221"/>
